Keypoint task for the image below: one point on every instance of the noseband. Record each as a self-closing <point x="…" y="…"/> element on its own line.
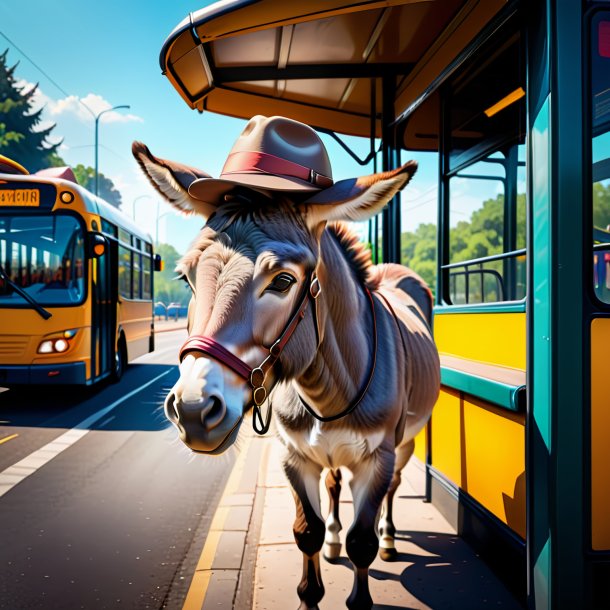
<point x="256" y="376"/>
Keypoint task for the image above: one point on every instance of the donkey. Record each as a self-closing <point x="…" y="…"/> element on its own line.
<point x="288" y="310"/>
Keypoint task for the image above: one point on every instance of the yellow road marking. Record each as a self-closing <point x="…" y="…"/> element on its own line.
<point x="8" y="438"/>
<point x="203" y="572"/>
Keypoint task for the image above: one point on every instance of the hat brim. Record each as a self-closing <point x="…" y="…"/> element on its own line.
<point x="213" y="190"/>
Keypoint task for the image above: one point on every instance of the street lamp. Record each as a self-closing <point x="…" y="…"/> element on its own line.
<point x="157" y="224"/>
<point x="97" y="121"/>
<point x="133" y="205"/>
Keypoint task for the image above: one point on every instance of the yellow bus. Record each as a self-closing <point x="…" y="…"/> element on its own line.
<point x="76" y="282"/>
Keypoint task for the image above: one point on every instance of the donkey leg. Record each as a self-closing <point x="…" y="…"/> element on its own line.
<point x="369" y="485"/>
<point x="304" y="477"/>
<point x="332" y="544"/>
<point x="387" y="531"/>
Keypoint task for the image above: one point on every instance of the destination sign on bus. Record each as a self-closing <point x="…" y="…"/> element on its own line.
<point x="21" y="197"/>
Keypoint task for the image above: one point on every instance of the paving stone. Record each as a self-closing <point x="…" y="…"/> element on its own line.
<point x="229" y="551"/>
<point x="221" y="590"/>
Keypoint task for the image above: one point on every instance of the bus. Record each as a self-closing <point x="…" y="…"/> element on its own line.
<point x="510" y="99"/>
<point x="76" y="282"/>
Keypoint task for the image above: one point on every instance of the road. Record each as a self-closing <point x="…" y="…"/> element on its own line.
<point x="113" y="514"/>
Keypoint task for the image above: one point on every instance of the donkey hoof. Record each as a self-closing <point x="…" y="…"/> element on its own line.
<point x="331" y="551"/>
<point x="388" y="554"/>
<point x="362" y="601"/>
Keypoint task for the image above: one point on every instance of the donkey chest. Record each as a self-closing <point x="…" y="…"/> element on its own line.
<point x="333" y="447"/>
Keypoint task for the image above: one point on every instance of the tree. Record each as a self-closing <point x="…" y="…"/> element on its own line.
<point x="168" y="289"/>
<point x="20" y="137"/>
<point x="106" y="188"/>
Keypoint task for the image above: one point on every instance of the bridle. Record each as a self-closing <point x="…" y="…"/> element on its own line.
<point x="257" y="376"/>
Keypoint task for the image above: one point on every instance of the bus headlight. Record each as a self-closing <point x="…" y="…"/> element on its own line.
<point x="57" y="345"/>
<point x="60" y="345"/>
<point x="46" y="347"/>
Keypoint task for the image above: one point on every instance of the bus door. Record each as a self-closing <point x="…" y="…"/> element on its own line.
<point x="104" y="311"/>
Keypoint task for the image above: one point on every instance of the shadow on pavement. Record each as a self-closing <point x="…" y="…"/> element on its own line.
<point x="441" y="575"/>
<point x="67" y="406"/>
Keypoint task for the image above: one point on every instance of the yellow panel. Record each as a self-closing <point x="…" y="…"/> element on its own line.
<point x="420" y="445"/>
<point x="494" y="469"/>
<point x="496" y="338"/>
<point x="446" y="446"/>
<point x="600" y="435"/>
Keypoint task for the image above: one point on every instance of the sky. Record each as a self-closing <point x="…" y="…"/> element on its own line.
<point x="106" y="54"/>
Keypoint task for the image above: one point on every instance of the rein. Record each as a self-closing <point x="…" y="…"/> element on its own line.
<point x="257" y="376"/>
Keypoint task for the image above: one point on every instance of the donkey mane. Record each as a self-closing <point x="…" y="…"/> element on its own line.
<point x="357" y="255"/>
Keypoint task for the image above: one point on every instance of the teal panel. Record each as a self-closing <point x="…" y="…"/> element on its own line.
<point x="500" y="394"/>
<point x="540" y="362"/>
<point x="542" y="272"/>
<point x="541" y="572"/>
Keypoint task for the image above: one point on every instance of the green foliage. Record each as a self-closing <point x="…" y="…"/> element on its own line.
<point x="106" y="188"/>
<point x="418" y="251"/>
<point x="481" y="235"/>
<point x="167" y="288"/>
<point x="21" y="138"/>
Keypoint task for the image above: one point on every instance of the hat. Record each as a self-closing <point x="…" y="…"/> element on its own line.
<point x="271" y="154"/>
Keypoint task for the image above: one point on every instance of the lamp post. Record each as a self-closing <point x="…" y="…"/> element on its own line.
<point x="133" y="205"/>
<point x="157" y="224"/>
<point x="97" y="122"/>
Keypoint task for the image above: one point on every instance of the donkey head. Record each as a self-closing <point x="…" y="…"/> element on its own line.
<point x="253" y="274"/>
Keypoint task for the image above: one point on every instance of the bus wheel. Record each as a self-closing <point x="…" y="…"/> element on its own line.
<point x="120" y="361"/>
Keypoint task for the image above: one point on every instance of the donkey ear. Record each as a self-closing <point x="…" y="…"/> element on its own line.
<point x="172" y="180"/>
<point x="359" y="198"/>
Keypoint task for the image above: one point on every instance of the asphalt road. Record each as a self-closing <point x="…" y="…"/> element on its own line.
<point x="113" y="514"/>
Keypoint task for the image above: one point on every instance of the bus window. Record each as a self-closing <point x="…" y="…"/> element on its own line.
<point x="125" y="272"/>
<point x="146" y="277"/>
<point x="485" y="178"/>
<point x="44" y="255"/>
<point x="137" y="289"/>
<point x="600" y="112"/>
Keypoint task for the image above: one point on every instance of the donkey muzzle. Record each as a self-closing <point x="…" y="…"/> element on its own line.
<point x="205" y="424"/>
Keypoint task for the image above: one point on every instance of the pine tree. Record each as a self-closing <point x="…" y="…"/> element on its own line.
<point x="20" y="139"/>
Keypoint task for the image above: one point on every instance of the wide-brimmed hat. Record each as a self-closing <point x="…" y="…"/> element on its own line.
<point x="271" y="154"/>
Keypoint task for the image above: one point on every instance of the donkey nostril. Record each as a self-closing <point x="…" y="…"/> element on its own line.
<point x="213" y="413"/>
<point x="171" y="410"/>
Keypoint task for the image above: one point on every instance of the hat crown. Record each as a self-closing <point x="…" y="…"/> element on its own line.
<point x="285" y="139"/>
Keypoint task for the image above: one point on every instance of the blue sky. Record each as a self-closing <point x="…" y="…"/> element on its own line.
<point x="106" y="54"/>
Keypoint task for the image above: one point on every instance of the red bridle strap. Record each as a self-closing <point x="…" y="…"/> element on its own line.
<point x="215" y="350"/>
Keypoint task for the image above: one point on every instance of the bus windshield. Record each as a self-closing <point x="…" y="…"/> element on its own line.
<point x="44" y="255"/>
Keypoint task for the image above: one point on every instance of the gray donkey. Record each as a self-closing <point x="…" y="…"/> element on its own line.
<point x="288" y="311"/>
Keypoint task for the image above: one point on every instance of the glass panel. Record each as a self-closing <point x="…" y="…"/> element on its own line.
<point x="108" y="228"/>
<point x="146" y="278"/>
<point x="600" y="84"/>
<point x="125" y="272"/>
<point x="137" y="292"/>
<point x="125" y="237"/>
<point x="419" y="218"/>
<point x="44" y="255"/>
<point x="476" y="210"/>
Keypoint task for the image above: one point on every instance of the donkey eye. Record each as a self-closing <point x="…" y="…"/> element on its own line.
<point x="281" y="282"/>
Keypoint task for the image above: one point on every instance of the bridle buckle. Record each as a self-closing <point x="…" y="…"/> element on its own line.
<point x="314" y="288"/>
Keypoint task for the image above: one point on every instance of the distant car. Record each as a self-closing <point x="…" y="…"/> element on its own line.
<point x="160" y="310"/>
<point x="177" y="310"/>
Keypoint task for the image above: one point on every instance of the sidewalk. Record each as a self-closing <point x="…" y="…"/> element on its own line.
<point x="162" y="326"/>
<point x="435" y="569"/>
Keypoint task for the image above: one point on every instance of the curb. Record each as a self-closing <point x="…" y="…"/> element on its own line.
<point x="224" y="573"/>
